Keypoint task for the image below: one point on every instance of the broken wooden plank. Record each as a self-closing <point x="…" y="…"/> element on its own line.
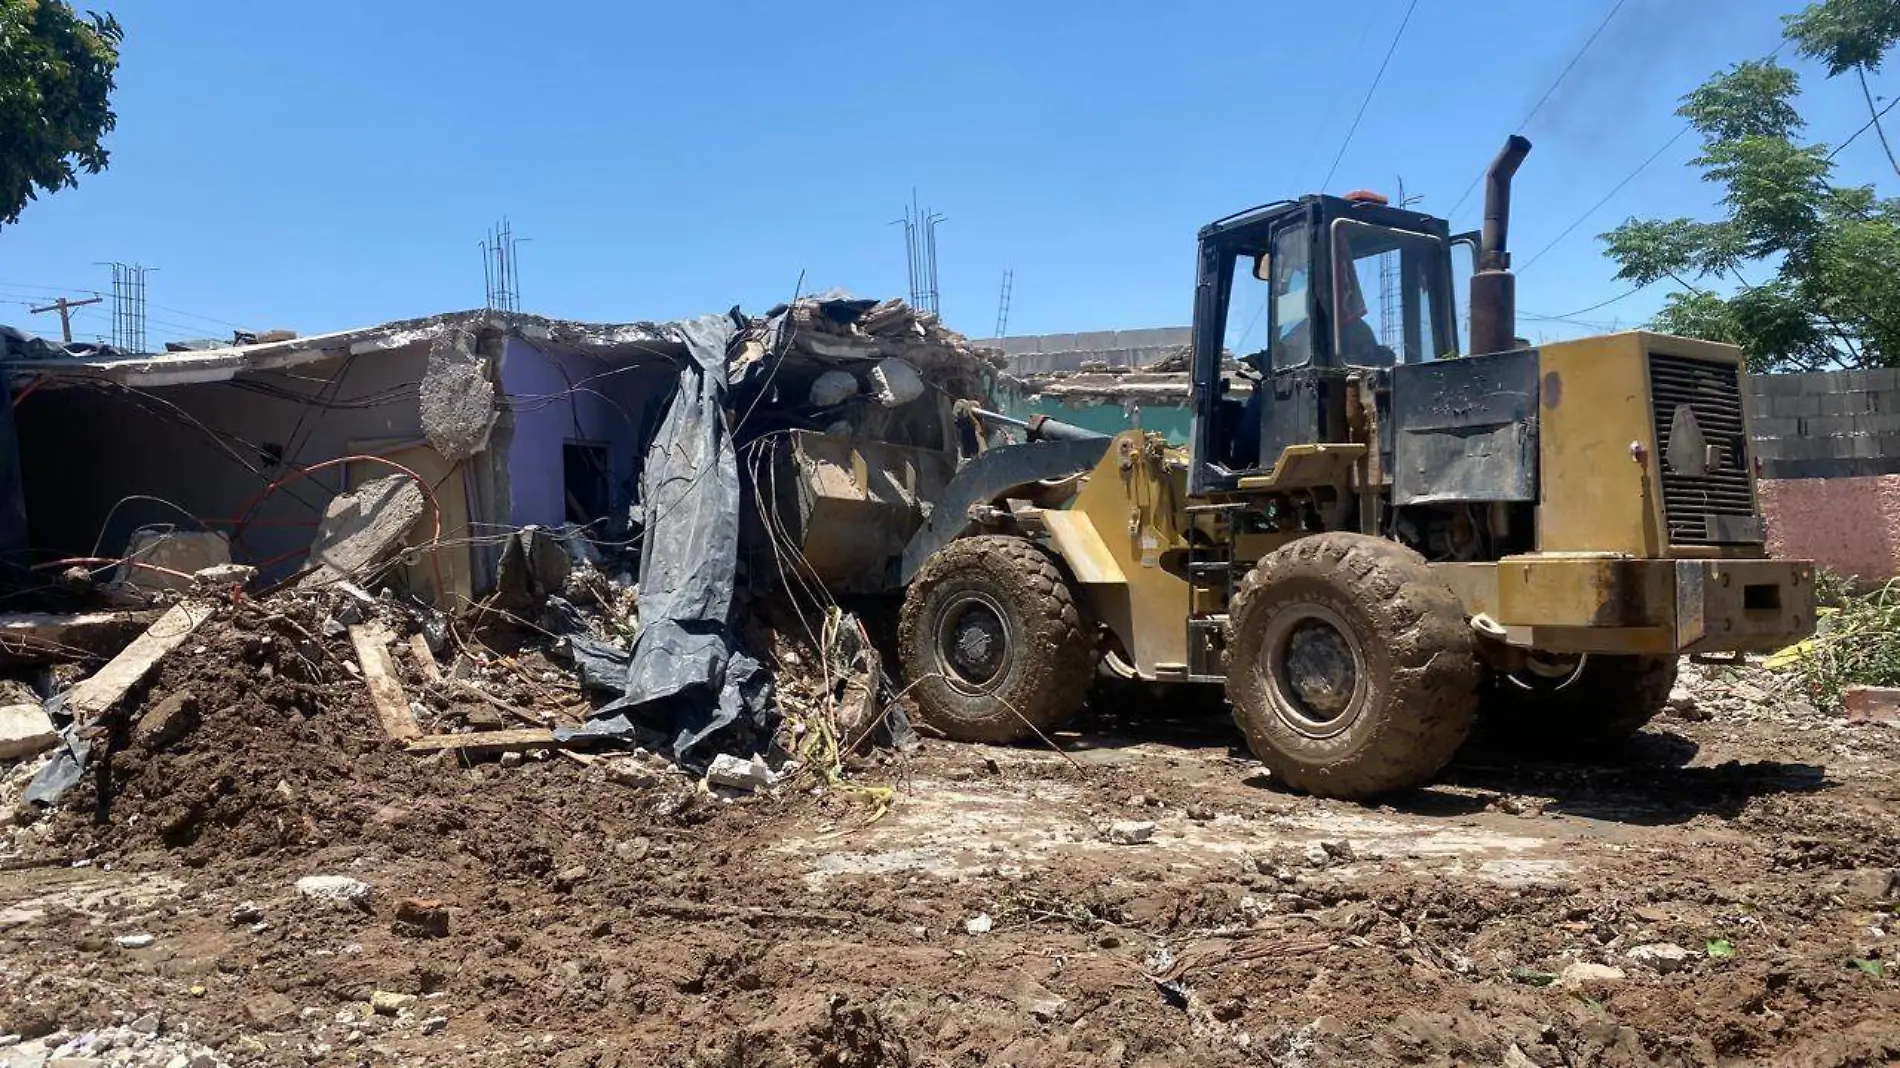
<point x="522" y="739"/>
<point x="385" y="686"/>
<point x="92" y="697"/>
<point x="425" y="659"/>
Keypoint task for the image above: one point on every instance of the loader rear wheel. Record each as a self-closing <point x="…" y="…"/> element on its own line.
<point x="993" y="641"/>
<point x="1350" y="667"/>
<point x="1598" y="701"/>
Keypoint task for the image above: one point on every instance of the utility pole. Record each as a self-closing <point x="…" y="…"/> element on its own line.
<point x="65" y="309"/>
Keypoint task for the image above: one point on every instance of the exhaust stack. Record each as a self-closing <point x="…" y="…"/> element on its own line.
<point x="1493" y="289"/>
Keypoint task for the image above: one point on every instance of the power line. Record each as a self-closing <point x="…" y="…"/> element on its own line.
<point x="1542" y="100"/>
<point x="1618" y="188"/>
<point x="1871" y="123"/>
<point x="1373" y="88"/>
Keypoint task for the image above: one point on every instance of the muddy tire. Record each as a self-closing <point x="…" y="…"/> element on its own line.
<point x="993" y="641"/>
<point x="1603" y="702"/>
<point x="1350" y="667"/>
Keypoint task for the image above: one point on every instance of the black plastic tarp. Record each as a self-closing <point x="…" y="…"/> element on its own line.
<point x="684" y="679"/>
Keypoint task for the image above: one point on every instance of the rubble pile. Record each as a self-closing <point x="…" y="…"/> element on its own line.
<point x="654" y="659"/>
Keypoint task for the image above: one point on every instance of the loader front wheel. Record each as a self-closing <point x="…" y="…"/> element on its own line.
<point x="1350" y="667"/>
<point x="993" y="642"/>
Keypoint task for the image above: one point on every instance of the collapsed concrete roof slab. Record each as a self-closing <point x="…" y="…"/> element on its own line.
<point x="629" y="341"/>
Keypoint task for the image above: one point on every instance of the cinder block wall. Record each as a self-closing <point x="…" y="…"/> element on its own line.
<point x="1829" y="446"/>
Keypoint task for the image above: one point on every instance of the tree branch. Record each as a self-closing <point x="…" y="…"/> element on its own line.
<point x="1879" y="129"/>
<point x="1698" y="290"/>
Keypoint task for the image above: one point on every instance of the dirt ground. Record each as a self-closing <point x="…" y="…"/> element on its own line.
<point x="603" y="913"/>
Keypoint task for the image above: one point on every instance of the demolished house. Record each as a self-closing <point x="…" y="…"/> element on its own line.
<point x="652" y="516"/>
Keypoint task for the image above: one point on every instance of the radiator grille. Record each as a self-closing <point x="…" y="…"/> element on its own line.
<point x="1712" y="501"/>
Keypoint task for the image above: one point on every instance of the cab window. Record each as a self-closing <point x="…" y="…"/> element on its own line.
<point x="1289" y="320"/>
<point x="1391" y="296"/>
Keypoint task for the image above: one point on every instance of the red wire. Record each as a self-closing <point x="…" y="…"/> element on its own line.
<point x="69" y="561"/>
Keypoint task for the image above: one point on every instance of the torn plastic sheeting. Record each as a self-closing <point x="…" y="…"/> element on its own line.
<point x="683" y="678"/>
<point x="63" y="771"/>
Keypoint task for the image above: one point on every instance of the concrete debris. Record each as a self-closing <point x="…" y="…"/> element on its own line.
<point x="389" y="1003"/>
<point x="222" y="576"/>
<point x="134" y="941"/>
<point x="1683" y="705"/>
<point x="1585" y="973"/>
<point x="1131" y="832"/>
<point x="338" y="890"/>
<point x="894" y="382"/>
<point x="163" y="559"/>
<point x="832" y="388"/>
<point x="25" y="729"/>
<point x="738" y="773"/>
<point x="534" y="566"/>
<point x="458" y="392"/>
<point x="142" y="1042"/>
<point x="1660" y="957"/>
<point x="363" y="529"/>
<point x="979" y="924"/>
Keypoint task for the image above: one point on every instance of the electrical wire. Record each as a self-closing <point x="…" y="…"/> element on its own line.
<point x="1542" y="100"/>
<point x="1376" y="78"/>
<point x="1871" y="123"/>
<point x="1592" y="209"/>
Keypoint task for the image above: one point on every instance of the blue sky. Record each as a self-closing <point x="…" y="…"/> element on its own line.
<point x="322" y="166"/>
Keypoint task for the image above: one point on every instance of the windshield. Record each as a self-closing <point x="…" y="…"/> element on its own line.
<point x="1391" y="296"/>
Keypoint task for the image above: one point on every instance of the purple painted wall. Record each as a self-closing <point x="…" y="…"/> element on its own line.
<point x="560" y="397"/>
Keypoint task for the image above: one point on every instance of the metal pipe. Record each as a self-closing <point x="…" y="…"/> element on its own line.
<point x="1036" y="427"/>
<point x="1493" y="289"/>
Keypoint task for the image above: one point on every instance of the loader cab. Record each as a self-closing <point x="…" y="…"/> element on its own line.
<point x="1295" y="297"/>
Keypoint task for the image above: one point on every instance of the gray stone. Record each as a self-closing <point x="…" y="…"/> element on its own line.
<point x="25" y="730"/>
<point x="134" y="941"/>
<point x="147" y="1024"/>
<point x="1660" y="957"/>
<point x="1131" y="832"/>
<point x="738" y="773"/>
<point x="433" y="1025"/>
<point x="340" y="890"/>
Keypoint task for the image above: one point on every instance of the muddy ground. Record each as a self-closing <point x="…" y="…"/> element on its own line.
<point x="613" y="913"/>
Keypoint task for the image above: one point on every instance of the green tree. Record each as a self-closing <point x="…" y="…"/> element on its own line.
<point x="1802" y="273"/>
<point x="56" y="72"/>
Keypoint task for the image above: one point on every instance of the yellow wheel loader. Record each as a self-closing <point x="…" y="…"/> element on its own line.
<point x="1373" y="537"/>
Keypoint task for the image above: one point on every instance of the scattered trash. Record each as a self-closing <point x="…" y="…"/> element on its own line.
<point x="1719" y="948"/>
<point x="1532" y="976"/>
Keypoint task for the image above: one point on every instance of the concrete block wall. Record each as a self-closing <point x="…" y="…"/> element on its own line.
<point x="1035" y="354"/>
<point x="1829" y="447"/>
<point x="1827" y="424"/>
